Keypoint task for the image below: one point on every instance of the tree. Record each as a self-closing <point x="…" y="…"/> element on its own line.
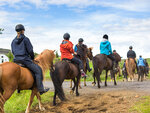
<point x="10" y="56"/>
<point x="57" y="55"/>
<point x="1" y="29"/>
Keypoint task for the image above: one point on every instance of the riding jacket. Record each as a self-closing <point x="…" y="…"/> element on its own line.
<point x="79" y="49"/>
<point x="105" y="47"/>
<point x="141" y="62"/>
<point x="131" y="54"/>
<point x="22" y="49"/>
<point x="66" y="49"/>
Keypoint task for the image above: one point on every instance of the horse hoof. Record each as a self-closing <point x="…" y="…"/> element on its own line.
<point x="105" y="85"/>
<point x="42" y="109"/>
<point x="71" y="92"/>
<point x="93" y="84"/>
<point x="77" y="94"/>
<point x="99" y="87"/>
<point x="54" y="104"/>
<point x="84" y="84"/>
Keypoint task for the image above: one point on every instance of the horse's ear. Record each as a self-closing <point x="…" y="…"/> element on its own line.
<point x="91" y="48"/>
<point x="54" y="50"/>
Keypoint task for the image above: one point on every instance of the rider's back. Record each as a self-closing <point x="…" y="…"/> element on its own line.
<point x="131" y="54"/>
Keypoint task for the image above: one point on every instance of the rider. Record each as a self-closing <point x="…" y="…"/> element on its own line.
<point x="79" y="52"/>
<point x="66" y="49"/>
<point x="132" y="54"/>
<point x="105" y="48"/>
<point x="22" y="50"/>
<point x="141" y="61"/>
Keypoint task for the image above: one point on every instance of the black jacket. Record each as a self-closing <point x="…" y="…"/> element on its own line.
<point x="22" y="49"/>
<point x="131" y="54"/>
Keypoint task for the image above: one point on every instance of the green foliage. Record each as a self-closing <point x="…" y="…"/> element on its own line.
<point x="57" y="55"/>
<point x="36" y="54"/>
<point x="10" y="56"/>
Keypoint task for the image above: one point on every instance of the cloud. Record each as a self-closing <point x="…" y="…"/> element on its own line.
<point x="129" y="5"/>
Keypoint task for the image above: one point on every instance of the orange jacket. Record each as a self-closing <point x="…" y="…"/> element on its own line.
<point x="66" y="49"/>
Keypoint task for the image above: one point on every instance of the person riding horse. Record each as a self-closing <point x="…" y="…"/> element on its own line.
<point x="66" y="49"/>
<point x="140" y="61"/>
<point x="132" y="54"/>
<point x="22" y="50"/>
<point x="79" y="50"/>
<point x="105" y="48"/>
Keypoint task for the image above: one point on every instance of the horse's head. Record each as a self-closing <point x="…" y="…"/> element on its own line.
<point x="45" y="59"/>
<point x="90" y="53"/>
<point x="117" y="57"/>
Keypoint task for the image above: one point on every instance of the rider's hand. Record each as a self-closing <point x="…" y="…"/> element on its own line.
<point x="75" y="53"/>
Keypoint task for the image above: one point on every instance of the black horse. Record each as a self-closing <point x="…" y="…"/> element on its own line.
<point x="102" y="62"/>
<point x="64" y="70"/>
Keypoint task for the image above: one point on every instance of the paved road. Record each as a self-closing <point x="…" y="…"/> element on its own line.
<point x="131" y="86"/>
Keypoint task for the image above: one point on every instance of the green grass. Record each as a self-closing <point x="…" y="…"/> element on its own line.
<point x="18" y="102"/>
<point x="142" y="106"/>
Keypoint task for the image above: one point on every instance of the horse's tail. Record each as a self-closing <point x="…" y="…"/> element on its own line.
<point x="95" y="66"/>
<point x="57" y="82"/>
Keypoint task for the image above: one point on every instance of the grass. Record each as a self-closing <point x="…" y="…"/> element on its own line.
<point x="18" y="102"/>
<point x="142" y="106"/>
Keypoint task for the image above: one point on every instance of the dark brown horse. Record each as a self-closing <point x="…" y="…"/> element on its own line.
<point x="64" y="70"/>
<point x="102" y="62"/>
<point x="141" y="72"/>
<point x="83" y="57"/>
<point x="13" y="76"/>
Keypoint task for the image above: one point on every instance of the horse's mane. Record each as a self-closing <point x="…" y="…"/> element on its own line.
<point x="117" y="57"/>
<point x="45" y="60"/>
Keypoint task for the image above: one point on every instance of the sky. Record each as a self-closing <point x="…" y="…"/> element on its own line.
<point x="127" y="22"/>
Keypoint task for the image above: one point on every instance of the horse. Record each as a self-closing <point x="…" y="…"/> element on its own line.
<point x="62" y="70"/>
<point x="130" y="68"/>
<point x="102" y="62"/>
<point x="13" y="76"/>
<point x="141" y="71"/>
<point x="146" y="69"/>
<point x="84" y="56"/>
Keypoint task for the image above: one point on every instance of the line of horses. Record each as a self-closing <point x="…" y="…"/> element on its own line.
<point x="13" y="76"/>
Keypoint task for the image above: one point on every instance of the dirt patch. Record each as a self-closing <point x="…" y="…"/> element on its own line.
<point x="99" y="102"/>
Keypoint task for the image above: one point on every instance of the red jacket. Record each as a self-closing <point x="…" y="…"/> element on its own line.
<point x="66" y="49"/>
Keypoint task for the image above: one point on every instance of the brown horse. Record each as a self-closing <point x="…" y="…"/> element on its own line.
<point x="130" y="68"/>
<point x="64" y="70"/>
<point x="13" y="76"/>
<point x="141" y="72"/>
<point x="100" y="63"/>
<point x="85" y="55"/>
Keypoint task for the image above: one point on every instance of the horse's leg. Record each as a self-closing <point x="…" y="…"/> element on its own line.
<point x="106" y="78"/>
<point x="94" y="79"/>
<point x="71" y="84"/>
<point x="72" y="90"/>
<point x="85" y="81"/>
<point x="115" y="83"/>
<point x="98" y="79"/>
<point x="6" y="95"/>
<point x="54" y="98"/>
<point x="80" y="83"/>
<point x="78" y="79"/>
<point x="39" y="99"/>
<point x="33" y="93"/>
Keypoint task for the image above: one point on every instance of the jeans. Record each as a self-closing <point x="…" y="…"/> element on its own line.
<point x="37" y="73"/>
<point x="77" y="61"/>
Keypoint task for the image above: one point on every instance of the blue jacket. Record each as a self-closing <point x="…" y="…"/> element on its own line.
<point x="105" y="48"/>
<point x="141" y="62"/>
<point x="22" y="49"/>
<point x="75" y="48"/>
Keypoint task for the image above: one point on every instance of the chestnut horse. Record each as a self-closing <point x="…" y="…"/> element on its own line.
<point x="13" y="76"/>
<point x="100" y="63"/>
<point x="130" y="67"/>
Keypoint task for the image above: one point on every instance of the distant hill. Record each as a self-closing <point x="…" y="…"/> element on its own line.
<point x="4" y="51"/>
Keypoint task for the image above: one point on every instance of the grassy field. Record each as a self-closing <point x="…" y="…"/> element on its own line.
<point x="18" y="102"/>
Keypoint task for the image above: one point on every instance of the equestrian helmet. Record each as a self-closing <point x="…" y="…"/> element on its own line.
<point x="19" y="28"/>
<point x="66" y="36"/>
<point x="105" y="36"/>
<point x="80" y="40"/>
<point x="130" y="47"/>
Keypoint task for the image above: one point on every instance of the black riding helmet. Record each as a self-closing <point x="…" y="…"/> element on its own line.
<point x="19" y="28"/>
<point x="105" y="36"/>
<point x="130" y="47"/>
<point x="66" y="36"/>
<point x="80" y="40"/>
<point x="114" y="50"/>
